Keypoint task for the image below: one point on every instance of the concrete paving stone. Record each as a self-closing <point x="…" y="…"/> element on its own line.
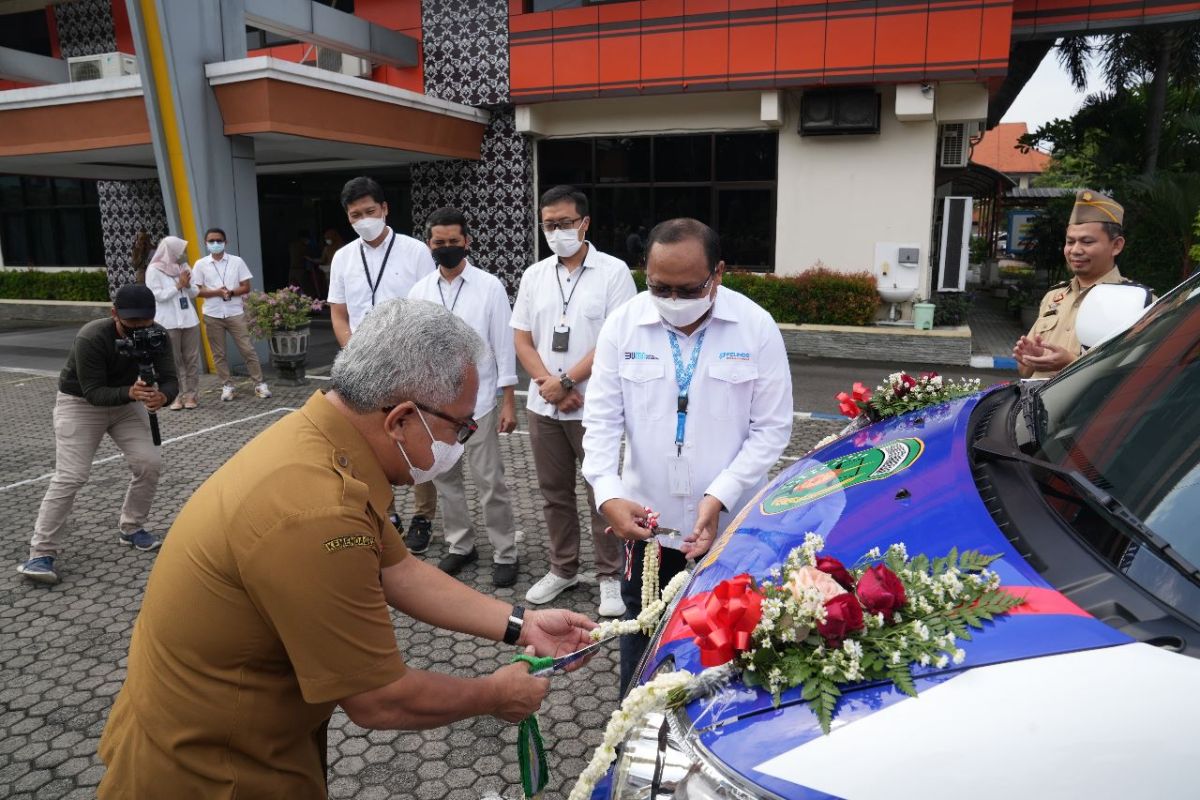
<point x="378" y="754"/>
<point x="50" y="759"/>
<point x="90" y="776"/>
<point x="354" y="746"/>
<point x="32" y="781"/>
<point x="72" y="766"/>
<point x="46" y="733"/>
<point x="58" y="787"/>
<point x="348" y="765"/>
<point x="460" y="777"/>
<point x="10" y="773"/>
<point x="25" y="726"/>
<point x="343" y="786"/>
<point x="82" y="793"/>
<point x="432" y="770"/>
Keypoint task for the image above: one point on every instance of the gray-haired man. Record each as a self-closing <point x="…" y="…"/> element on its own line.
<point x="284" y="563"/>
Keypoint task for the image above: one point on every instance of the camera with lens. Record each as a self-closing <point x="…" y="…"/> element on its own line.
<point x="142" y="345"/>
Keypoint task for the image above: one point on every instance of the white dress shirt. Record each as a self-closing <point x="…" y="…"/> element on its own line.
<point x="228" y="272"/>
<point x="408" y="262"/>
<point x="739" y="415"/>
<point x="481" y="301"/>
<point x="596" y="289"/>
<point x="167" y="293"/>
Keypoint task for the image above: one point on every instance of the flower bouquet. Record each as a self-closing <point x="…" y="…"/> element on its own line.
<point x="901" y="393"/>
<point x="285" y="309"/>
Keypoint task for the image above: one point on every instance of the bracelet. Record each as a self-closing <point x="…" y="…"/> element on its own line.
<point x="516" y="620"/>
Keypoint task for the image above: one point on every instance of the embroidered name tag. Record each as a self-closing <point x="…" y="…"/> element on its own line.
<point x="640" y="356"/>
<point x="343" y="542"/>
<point x="732" y="355"/>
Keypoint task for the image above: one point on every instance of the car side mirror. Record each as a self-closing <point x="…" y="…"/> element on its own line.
<point x="1109" y="309"/>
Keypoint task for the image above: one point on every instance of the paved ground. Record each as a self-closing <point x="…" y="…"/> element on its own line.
<point x="994" y="330"/>
<point x="63" y="648"/>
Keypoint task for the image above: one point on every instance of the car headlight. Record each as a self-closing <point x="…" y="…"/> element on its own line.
<point x="658" y="761"/>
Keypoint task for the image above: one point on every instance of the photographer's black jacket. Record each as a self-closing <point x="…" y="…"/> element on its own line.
<point x="96" y="373"/>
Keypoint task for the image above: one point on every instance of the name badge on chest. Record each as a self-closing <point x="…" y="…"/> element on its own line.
<point x="183" y="303"/>
<point x="679" y="476"/>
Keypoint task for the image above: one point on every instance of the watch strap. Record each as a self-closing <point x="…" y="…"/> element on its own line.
<point x="516" y="620"/>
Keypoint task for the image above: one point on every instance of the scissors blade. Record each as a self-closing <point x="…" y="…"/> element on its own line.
<point x="562" y="662"/>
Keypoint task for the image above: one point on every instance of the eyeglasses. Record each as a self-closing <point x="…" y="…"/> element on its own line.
<point x="561" y="224"/>
<point x="466" y="427"/>
<point x="681" y="292"/>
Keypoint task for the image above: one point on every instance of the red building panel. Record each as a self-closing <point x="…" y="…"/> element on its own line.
<point x="576" y="53"/>
<point x="900" y="43"/>
<point x="800" y="49"/>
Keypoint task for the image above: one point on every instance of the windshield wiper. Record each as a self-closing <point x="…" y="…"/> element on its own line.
<point x="1031" y="409"/>
<point x="1110" y="507"/>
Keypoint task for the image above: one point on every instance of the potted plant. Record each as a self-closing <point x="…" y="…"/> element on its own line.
<point x="281" y="317"/>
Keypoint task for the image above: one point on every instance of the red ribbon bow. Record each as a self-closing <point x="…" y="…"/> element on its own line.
<point x="724" y="622"/>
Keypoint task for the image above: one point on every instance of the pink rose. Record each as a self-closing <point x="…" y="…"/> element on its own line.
<point x="812" y="578"/>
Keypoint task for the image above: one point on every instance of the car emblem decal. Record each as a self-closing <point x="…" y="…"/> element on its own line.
<point x="861" y="466"/>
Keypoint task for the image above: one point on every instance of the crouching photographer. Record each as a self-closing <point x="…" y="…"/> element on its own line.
<point x="120" y="372"/>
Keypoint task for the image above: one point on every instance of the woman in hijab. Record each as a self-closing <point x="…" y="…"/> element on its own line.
<point x="168" y="276"/>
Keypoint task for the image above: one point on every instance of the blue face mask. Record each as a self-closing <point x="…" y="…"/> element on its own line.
<point x="216" y="247"/>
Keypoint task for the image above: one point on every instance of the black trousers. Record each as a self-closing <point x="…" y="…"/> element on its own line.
<point x="670" y="563"/>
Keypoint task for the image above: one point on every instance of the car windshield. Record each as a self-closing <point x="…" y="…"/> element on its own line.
<point x="1126" y="417"/>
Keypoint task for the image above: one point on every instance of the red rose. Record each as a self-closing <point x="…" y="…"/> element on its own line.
<point x="860" y="393"/>
<point x="847" y="405"/>
<point x="880" y="591"/>
<point x="843" y="616"/>
<point x="928" y="375"/>
<point x="836" y="570"/>
<point x="904" y="385"/>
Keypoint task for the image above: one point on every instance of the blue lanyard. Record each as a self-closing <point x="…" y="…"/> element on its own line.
<point x="683" y="377"/>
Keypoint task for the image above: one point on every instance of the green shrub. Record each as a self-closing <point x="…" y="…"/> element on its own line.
<point x="33" y="284"/>
<point x="818" y="296"/>
<point x="951" y="307"/>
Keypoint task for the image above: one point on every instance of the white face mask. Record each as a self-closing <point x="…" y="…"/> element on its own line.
<point x="682" y="313"/>
<point x="369" y="228"/>
<point x="564" y="243"/>
<point x="445" y="456"/>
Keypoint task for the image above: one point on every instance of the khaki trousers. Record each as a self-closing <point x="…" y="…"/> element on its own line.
<point x="78" y="428"/>
<point x="482" y="454"/>
<point x="557" y="450"/>
<point x="216" y="328"/>
<point x="185" y="346"/>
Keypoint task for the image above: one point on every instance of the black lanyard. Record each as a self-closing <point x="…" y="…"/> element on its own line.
<point x="566" y="299"/>
<point x="362" y="251"/>
<point x="456" y="294"/>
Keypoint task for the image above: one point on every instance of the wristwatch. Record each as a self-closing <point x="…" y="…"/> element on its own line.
<point x="516" y="620"/>
<point x="568" y="383"/>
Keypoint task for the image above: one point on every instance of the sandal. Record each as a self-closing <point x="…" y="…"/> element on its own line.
<point x="189" y="403"/>
<point x="177" y="405"/>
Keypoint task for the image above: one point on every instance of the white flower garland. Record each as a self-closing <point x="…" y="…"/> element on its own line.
<point x="652" y="608"/>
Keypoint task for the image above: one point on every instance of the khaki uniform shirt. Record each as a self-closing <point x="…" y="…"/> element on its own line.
<point x="263" y="609"/>
<point x="1056" y="315"/>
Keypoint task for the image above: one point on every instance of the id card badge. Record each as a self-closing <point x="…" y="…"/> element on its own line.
<point x="183" y="303"/>
<point x="679" y="477"/>
<point x="561" y="338"/>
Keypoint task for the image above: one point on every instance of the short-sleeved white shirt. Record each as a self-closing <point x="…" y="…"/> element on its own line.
<point x="594" y="290"/>
<point x="408" y="262"/>
<point x="479" y="299"/>
<point x="229" y="272"/>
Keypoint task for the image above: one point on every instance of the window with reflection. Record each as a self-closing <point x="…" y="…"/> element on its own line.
<point x="726" y="180"/>
<point x="50" y="222"/>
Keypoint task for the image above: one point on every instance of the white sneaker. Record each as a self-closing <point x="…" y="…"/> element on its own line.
<point x="611" y="604"/>
<point x="262" y="391"/>
<point x="227" y="392"/>
<point x="548" y="588"/>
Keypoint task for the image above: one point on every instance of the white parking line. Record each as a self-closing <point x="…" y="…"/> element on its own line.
<point x="172" y="440"/>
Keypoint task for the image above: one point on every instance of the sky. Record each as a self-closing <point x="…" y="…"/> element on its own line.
<point x="1049" y="94"/>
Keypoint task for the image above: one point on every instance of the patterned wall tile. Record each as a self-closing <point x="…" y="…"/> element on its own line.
<point x="85" y="28"/>
<point x="466" y="50"/>
<point x="125" y="208"/>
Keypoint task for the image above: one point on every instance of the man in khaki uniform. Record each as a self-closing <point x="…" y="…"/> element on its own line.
<point x="1094" y="240"/>
<point x="268" y="606"/>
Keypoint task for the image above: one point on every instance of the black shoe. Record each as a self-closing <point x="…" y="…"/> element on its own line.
<point x="394" y="518"/>
<point x="420" y="531"/>
<point x="504" y="574"/>
<point x="453" y="563"/>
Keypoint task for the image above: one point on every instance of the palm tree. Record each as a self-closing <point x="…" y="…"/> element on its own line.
<point x="1156" y="57"/>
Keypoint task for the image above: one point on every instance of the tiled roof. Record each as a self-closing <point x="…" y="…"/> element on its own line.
<point x="998" y="150"/>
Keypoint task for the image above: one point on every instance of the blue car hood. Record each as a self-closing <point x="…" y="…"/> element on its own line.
<point x="903" y="480"/>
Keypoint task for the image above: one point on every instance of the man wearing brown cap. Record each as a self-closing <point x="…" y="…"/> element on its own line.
<point x="1095" y="238"/>
<point x="99" y="392"/>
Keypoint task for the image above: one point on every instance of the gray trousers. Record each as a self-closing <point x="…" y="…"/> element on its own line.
<point x="185" y="346"/>
<point x="78" y="428"/>
<point x="482" y="454"/>
<point x="557" y="449"/>
<point x="216" y="328"/>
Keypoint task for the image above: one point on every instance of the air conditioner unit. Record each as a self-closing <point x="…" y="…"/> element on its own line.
<point x="953" y="145"/>
<point x="342" y="63"/>
<point x="101" y="65"/>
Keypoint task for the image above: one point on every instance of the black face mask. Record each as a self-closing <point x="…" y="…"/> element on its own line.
<point x="449" y="257"/>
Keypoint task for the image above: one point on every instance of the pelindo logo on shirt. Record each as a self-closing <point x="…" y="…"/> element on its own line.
<point x="732" y="355"/>
<point x="637" y="355"/>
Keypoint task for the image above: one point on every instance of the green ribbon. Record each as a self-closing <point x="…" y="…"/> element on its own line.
<point x="531" y="751"/>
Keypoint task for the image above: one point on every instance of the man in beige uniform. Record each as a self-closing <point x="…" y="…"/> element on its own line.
<point x="269" y="605"/>
<point x="1094" y="240"/>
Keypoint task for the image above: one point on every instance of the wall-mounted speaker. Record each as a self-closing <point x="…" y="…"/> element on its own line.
<point x="832" y="112"/>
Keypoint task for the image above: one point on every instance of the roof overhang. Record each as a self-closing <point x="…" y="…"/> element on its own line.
<point x="302" y="119"/>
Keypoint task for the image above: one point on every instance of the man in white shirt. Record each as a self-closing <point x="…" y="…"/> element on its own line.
<point x="696" y="379"/>
<point x="223" y="280"/>
<point x="481" y="301"/>
<point x="561" y="304"/>
<point x="377" y="266"/>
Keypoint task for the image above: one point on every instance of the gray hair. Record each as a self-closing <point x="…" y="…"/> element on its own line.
<point x="405" y="350"/>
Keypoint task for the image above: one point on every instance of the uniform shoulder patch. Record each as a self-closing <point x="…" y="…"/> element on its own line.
<point x="1060" y="285"/>
<point x="344" y="542"/>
